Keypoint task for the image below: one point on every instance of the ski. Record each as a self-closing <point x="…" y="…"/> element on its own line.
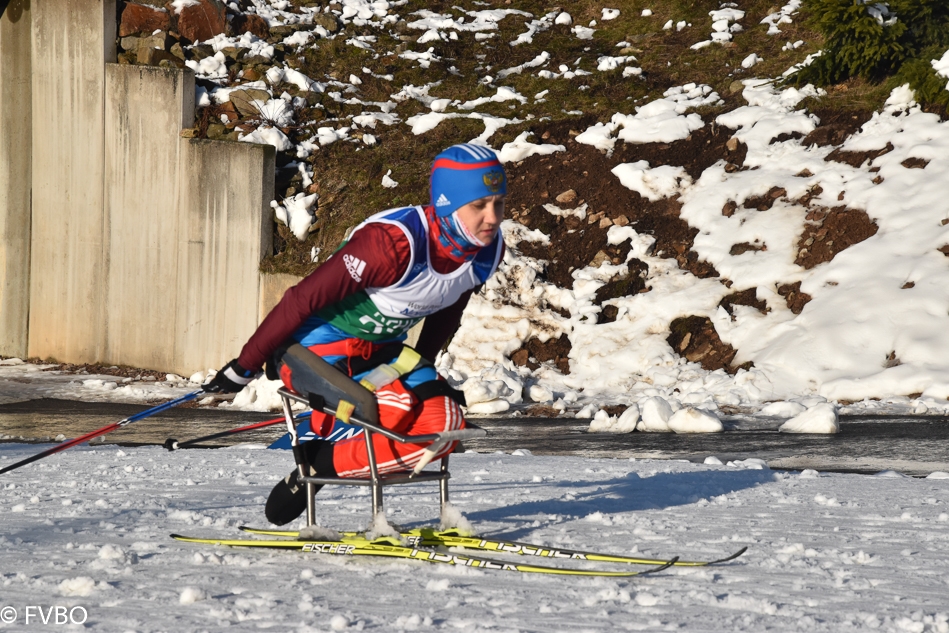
<point x="392" y="548"/>
<point x="430" y="537"/>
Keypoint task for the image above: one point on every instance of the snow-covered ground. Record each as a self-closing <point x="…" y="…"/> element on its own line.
<point x="827" y="552"/>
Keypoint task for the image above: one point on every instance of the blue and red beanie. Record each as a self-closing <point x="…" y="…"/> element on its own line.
<point x="465" y="173"/>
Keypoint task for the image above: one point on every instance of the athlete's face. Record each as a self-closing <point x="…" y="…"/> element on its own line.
<point x="483" y="217"/>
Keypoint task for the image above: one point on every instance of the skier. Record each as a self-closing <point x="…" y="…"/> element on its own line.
<point x="397" y="267"/>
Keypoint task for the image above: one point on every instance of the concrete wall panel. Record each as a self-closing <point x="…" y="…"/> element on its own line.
<point x="15" y="163"/>
<point x="272" y="288"/>
<point x="69" y="251"/>
<point x="145" y="111"/>
<point x="226" y="224"/>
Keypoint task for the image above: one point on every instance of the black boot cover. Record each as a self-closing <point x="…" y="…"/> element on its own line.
<point x="287" y="500"/>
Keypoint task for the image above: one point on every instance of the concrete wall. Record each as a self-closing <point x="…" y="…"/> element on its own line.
<point x="226" y="190"/>
<point x="15" y="158"/>
<point x="189" y="222"/>
<point x="272" y="288"/>
<point x="142" y="247"/>
<point x="145" y="111"/>
<point x="70" y="232"/>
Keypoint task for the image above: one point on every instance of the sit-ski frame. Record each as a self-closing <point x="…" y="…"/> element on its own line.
<point x="375" y="480"/>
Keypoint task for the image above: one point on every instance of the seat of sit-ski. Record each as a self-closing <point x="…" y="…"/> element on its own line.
<point x="323" y="385"/>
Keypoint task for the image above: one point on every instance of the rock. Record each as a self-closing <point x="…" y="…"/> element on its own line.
<point x="161" y="40"/>
<point x="158" y="57"/>
<point x="243" y="100"/>
<point x="736" y="86"/>
<point x="234" y="53"/>
<point x="732" y="144"/>
<point x="201" y="51"/>
<point x="216" y="130"/>
<point x="327" y="20"/>
<point x="621" y="220"/>
<point x="130" y="43"/>
<point x="599" y="258"/>
<point x="279" y="33"/>
<point x="244" y="23"/>
<point x="606" y="222"/>
<point x="177" y="51"/>
<point x="567" y="196"/>
<point x="203" y="20"/>
<point x="138" y="18"/>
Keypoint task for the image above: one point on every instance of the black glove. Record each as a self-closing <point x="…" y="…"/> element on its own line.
<point x="231" y="379"/>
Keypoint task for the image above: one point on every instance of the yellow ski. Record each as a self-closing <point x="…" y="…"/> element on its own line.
<point x="391" y="547"/>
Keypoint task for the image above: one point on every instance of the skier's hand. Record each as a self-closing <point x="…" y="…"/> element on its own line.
<point x="231" y="379"/>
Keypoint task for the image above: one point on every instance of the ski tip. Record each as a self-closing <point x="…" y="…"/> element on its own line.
<point x="735" y="555"/>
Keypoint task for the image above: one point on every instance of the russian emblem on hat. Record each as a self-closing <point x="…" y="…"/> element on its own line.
<point x="493" y="180"/>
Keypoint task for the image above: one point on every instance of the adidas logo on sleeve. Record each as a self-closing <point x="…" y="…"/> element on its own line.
<point x="355" y="266"/>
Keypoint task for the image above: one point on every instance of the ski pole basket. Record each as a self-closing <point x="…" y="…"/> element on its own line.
<point x="321" y="386"/>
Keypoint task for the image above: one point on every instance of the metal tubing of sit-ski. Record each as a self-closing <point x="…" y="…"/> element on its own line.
<point x="373" y="475"/>
<point x="376" y="481"/>
<point x="303" y="469"/>
<point x="443" y="485"/>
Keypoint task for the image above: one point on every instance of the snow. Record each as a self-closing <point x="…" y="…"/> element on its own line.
<point x="941" y="66"/>
<point x="659" y="121"/>
<point x="827" y="552"/>
<point x="821" y="418"/>
<point x="388" y="182"/>
<point x="624" y="423"/>
<point x="297" y="213"/>
<point x="692" y="420"/>
<point x="654" y="183"/>
<point x="268" y="135"/>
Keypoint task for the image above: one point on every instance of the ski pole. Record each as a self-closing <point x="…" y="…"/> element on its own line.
<point x="172" y="444"/>
<point x="106" y="429"/>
